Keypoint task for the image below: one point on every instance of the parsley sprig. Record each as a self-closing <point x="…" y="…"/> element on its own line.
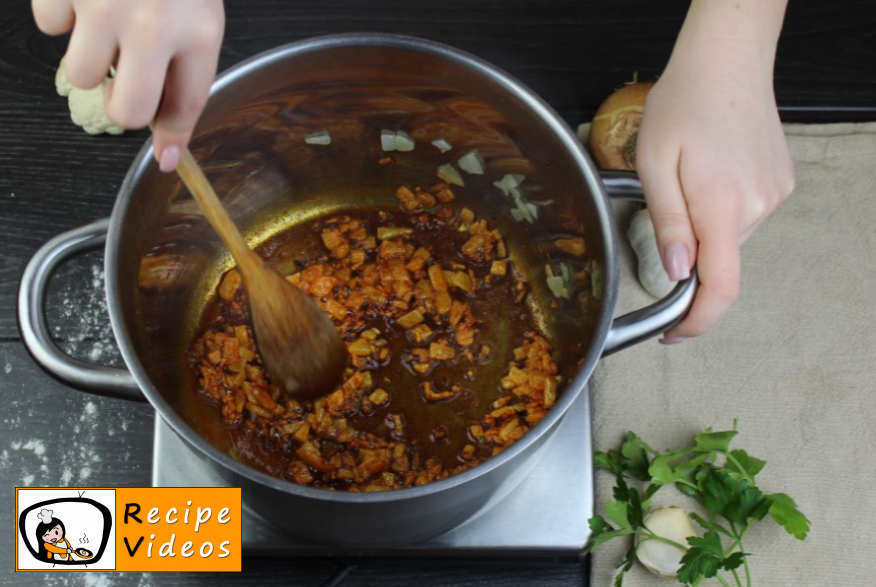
<point x="721" y="479"/>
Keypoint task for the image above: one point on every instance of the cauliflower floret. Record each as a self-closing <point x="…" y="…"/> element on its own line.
<point x="62" y="84"/>
<point x="86" y="106"/>
<point x="86" y="110"/>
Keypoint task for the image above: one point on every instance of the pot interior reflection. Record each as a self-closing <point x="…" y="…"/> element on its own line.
<point x="251" y="144"/>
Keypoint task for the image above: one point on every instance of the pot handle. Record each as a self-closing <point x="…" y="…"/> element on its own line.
<point x="97" y="379"/>
<point x="652" y="320"/>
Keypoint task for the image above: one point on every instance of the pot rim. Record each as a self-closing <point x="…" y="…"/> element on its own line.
<point x="406" y="43"/>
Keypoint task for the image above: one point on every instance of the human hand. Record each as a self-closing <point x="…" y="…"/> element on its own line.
<point x="167" y="53"/>
<point x="714" y="163"/>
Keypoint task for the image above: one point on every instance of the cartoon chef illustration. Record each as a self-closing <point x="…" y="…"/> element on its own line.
<point x="50" y="536"/>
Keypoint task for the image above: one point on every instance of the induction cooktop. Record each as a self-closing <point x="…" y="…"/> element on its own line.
<point x="545" y="514"/>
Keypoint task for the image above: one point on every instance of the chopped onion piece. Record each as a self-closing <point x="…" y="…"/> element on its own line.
<point x="387" y="140"/>
<point x="596" y="279"/>
<point x="448" y="173"/>
<point x="509" y="182"/>
<point x="525" y="212"/>
<point x="472" y="163"/>
<point x="318" y="138"/>
<point x="524" y="208"/>
<point x="558" y="287"/>
<point x="442" y="145"/>
<point x="403" y="142"/>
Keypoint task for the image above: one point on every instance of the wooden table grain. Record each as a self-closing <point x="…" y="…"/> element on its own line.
<point x="53" y="177"/>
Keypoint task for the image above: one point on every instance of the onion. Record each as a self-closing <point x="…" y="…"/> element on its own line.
<point x="387" y="140"/>
<point x="560" y="285"/>
<point x="472" y="163"/>
<point x="615" y="128"/>
<point x="318" y="138"/>
<point x="523" y="208"/>
<point x="508" y="182"/>
<point x="596" y="279"/>
<point x="442" y="145"/>
<point x="403" y="141"/>
<point x="448" y="173"/>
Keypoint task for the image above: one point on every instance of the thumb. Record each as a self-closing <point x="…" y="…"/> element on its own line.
<point x="669" y="213"/>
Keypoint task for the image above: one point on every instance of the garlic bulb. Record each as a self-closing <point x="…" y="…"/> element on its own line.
<point x="658" y="557"/>
<point x="652" y="275"/>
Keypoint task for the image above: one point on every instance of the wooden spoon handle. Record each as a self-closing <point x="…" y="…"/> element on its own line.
<point x="200" y="188"/>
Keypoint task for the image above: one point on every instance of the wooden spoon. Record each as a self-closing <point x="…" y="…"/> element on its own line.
<point x="299" y="345"/>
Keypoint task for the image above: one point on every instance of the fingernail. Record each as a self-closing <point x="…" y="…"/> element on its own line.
<point x="169" y="159"/>
<point x="673" y="340"/>
<point x="677" y="261"/>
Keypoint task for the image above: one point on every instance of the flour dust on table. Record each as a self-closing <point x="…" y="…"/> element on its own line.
<point x="79" y="313"/>
<point x="70" y="458"/>
<point x="97" y="580"/>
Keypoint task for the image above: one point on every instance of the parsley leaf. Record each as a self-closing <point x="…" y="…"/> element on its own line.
<point x="715" y="489"/>
<point x="621" y="491"/>
<point x="634" y="511"/>
<point x="714" y="526"/>
<point x="635" y="453"/>
<point x="663" y="472"/>
<point x="629" y="496"/>
<point x="709" y="441"/>
<point x="749" y="464"/>
<point x="734" y="499"/>
<point x="734" y="561"/>
<point x="687" y="470"/>
<point x="710" y="542"/>
<point x="649" y="493"/>
<point x="784" y="511"/>
<point x="598" y="525"/>
<point x="703" y="559"/>
<point x="617" y="512"/>
<point x="627" y="564"/>
<point x="744" y="503"/>
<point x="597" y="541"/>
<point x="602" y="532"/>
<point x="610" y="461"/>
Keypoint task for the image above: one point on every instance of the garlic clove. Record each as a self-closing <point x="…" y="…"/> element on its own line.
<point x="643" y="239"/>
<point x="660" y="558"/>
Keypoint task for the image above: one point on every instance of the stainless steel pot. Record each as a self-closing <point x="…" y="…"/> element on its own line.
<point x="163" y="260"/>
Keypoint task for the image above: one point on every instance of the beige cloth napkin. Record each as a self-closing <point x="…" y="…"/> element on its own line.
<point x="794" y="361"/>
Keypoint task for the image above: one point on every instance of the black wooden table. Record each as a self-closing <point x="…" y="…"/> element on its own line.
<point x="54" y="177"/>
